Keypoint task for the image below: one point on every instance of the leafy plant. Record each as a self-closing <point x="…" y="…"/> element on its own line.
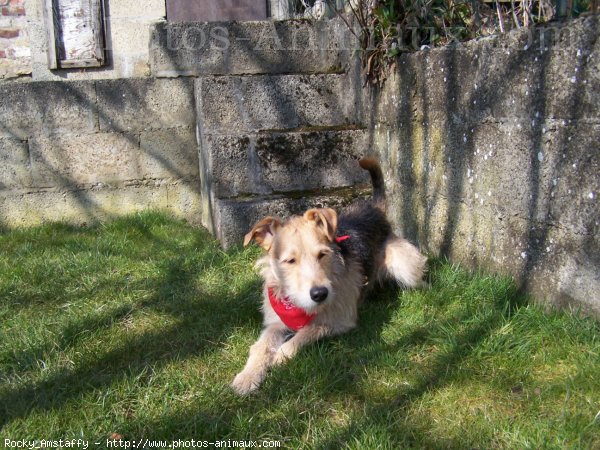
<point x="386" y="28"/>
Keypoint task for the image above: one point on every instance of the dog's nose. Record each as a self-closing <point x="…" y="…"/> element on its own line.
<point x="319" y="294"/>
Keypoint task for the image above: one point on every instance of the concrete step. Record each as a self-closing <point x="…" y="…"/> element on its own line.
<point x="233" y="218"/>
<point x="253" y="175"/>
<point x="276" y="144"/>
<point x="271" y="103"/>
<point x="260" y="47"/>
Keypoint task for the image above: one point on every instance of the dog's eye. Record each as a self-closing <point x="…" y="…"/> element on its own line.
<point x="290" y="261"/>
<point x="322" y="255"/>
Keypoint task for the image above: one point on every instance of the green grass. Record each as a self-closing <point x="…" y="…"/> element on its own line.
<point x="138" y="325"/>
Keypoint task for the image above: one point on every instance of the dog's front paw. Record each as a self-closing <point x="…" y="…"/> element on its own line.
<point x="244" y="383"/>
<point x="282" y="354"/>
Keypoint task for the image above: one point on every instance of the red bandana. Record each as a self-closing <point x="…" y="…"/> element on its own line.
<point x="293" y="317"/>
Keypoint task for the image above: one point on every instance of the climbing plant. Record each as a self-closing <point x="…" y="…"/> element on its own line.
<point x="385" y="28"/>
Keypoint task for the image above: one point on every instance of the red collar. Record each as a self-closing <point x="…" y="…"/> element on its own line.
<point x="293" y="317"/>
<point x="339" y="239"/>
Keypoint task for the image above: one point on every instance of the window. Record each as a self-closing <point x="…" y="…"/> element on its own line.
<point x="75" y="33"/>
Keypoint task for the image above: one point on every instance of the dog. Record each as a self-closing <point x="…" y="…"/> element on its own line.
<point x="317" y="268"/>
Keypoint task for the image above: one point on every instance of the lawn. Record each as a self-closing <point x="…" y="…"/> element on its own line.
<point x="135" y="327"/>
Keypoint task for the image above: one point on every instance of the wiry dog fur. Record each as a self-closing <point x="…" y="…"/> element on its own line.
<point x="305" y="264"/>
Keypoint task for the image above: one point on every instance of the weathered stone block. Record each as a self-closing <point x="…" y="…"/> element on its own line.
<point x="222" y="48"/>
<point x="285" y="162"/>
<point x="234" y="218"/>
<point x="145" y="104"/>
<point x="129" y="47"/>
<point x="169" y="154"/>
<point x="76" y="161"/>
<point x="83" y="206"/>
<point x="273" y="103"/>
<point x="93" y="205"/>
<point x="15" y="171"/>
<point x="47" y="107"/>
<point x="571" y="164"/>
<point x="184" y="201"/>
<point x="140" y="10"/>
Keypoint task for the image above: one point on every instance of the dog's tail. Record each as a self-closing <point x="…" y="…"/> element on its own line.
<point x="371" y="164"/>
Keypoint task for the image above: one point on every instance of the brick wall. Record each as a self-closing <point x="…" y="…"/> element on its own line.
<point x="15" y="53"/>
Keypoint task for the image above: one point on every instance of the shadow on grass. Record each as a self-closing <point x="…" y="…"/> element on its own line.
<point x="200" y="320"/>
<point x="39" y="246"/>
<point x="451" y="337"/>
<point x="334" y="371"/>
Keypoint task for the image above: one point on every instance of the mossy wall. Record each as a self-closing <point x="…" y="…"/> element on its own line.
<point x="491" y="151"/>
<point x="490" y="148"/>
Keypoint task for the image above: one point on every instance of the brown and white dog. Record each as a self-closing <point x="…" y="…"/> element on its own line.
<point x="316" y="270"/>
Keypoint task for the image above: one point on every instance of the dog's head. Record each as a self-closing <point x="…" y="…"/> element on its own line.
<point x="300" y="255"/>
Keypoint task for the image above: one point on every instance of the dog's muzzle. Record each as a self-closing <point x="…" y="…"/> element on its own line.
<point x="319" y="294"/>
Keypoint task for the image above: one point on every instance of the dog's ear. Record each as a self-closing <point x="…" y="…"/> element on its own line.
<point x="325" y="218"/>
<point x="263" y="232"/>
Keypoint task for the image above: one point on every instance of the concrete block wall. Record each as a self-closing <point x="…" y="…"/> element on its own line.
<point x="279" y="127"/>
<point x="80" y="151"/>
<point x="266" y="152"/>
<point x="249" y="48"/>
<point x="491" y="151"/>
<point x="490" y="148"/>
<point x="205" y="138"/>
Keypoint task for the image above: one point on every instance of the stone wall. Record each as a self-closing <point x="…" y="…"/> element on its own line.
<point x="82" y="151"/>
<point x="491" y="151"/>
<point x="279" y="127"/>
<point x="490" y="148"/>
